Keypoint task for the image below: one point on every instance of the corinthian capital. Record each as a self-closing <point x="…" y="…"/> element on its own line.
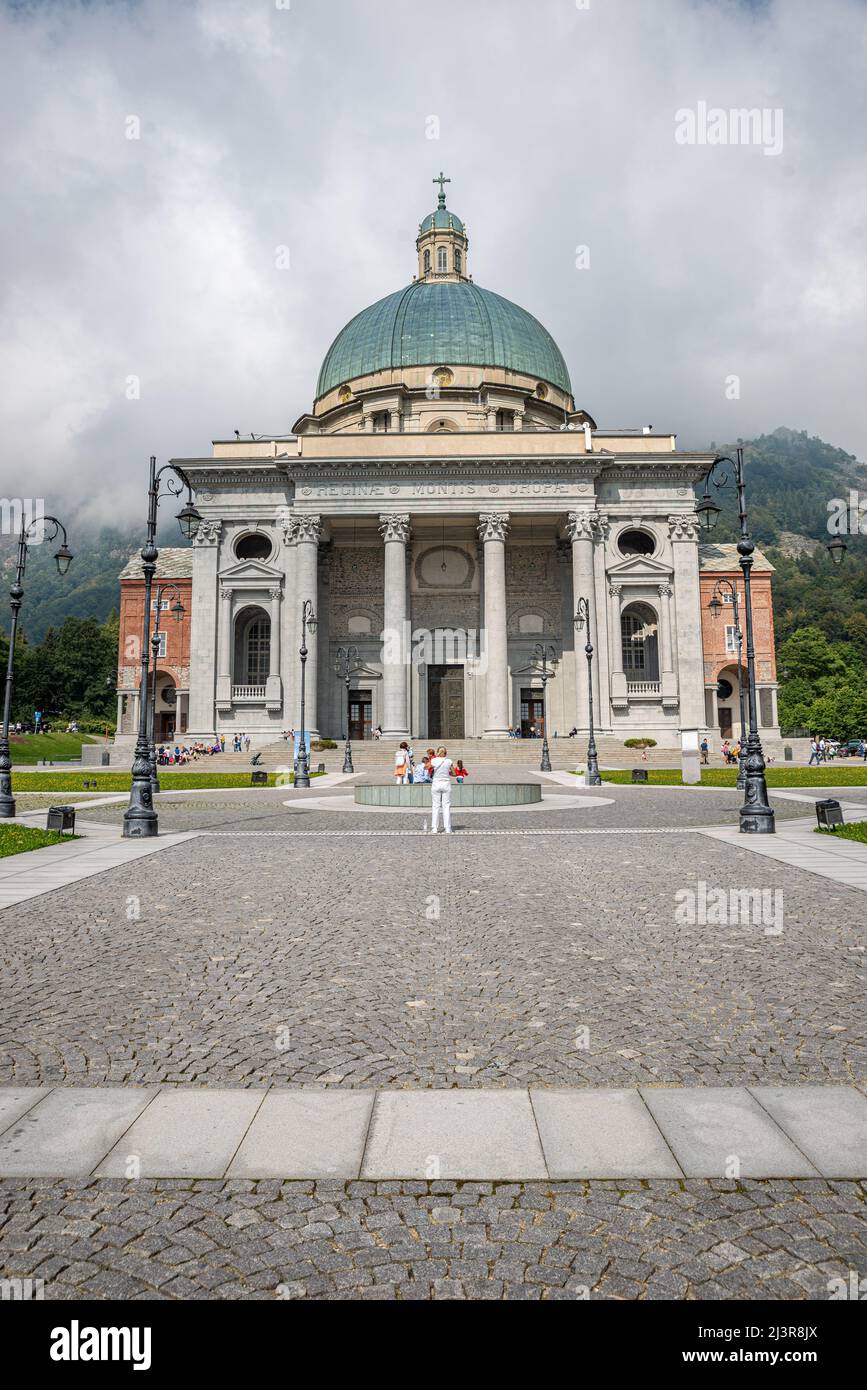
<point x="683" y="527"/>
<point x="208" y="533"/>
<point x="307" y="528"/>
<point x="395" y="527"/>
<point x="582" y="525"/>
<point x="493" y="526"/>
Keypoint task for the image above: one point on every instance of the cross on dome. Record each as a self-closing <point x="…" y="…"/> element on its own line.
<point x="441" y="179"/>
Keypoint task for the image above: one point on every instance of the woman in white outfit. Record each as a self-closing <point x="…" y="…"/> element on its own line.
<point x="441" y="791"/>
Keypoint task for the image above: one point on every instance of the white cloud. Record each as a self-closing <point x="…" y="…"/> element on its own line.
<point x="305" y="127"/>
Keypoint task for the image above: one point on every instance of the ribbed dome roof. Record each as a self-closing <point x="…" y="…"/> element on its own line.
<point x="443" y="221"/>
<point x="443" y="323"/>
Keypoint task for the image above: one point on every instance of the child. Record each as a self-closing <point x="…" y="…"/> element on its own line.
<point x="460" y="771"/>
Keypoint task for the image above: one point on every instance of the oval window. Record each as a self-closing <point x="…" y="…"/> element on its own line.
<point x="635" y="543"/>
<point x="253" y="547"/>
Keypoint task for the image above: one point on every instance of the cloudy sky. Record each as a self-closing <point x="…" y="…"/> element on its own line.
<point x="157" y="156"/>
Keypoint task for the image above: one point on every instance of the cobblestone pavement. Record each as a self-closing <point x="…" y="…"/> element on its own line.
<point x="417" y="1240"/>
<point x="401" y="960"/>
<point x="618" y="807"/>
<point x="413" y="961"/>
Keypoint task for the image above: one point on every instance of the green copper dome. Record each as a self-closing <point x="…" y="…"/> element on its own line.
<point x="443" y="221"/>
<point x="443" y="323"/>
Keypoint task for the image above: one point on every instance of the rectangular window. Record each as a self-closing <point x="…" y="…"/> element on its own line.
<point x="161" y="649"/>
<point x="731" y="639"/>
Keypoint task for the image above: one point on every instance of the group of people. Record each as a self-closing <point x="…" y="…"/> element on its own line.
<point x="822" y="750"/>
<point x="730" y="752"/>
<point x="168" y="756"/>
<point x="437" y="769"/>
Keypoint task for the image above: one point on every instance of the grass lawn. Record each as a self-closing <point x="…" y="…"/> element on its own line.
<point x="776" y="776"/>
<point x="32" y="748"/>
<point x="856" y="831"/>
<point x="120" y="781"/>
<point x="16" y="839"/>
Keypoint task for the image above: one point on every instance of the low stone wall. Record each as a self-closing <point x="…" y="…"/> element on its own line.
<point x="470" y="794"/>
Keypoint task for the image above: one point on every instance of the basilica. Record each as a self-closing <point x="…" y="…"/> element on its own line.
<point x="441" y="511"/>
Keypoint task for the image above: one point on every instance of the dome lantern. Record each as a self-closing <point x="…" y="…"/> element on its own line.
<point x="442" y="241"/>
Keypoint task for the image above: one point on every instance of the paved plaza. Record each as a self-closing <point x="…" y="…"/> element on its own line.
<point x="529" y="960"/>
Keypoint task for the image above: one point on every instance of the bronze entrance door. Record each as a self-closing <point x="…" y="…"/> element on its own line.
<point x="360" y="714"/>
<point x="445" y="702"/>
<point x="532" y="714"/>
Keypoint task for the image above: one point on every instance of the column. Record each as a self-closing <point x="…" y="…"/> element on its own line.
<point x="493" y="529"/>
<point x="394" y="530"/>
<point x="683" y="531"/>
<point x="119" y="729"/>
<point x="203" y="629"/>
<point x="307" y="531"/>
<point x="288" y="675"/>
<point x="224" y="663"/>
<point x="273" y="693"/>
<point x="668" y="676"/>
<point x="580" y="528"/>
<point x="615" y="646"/>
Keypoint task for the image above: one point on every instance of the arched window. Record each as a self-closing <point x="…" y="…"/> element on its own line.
<point x="257" y="651"/>
<point x="426" y="262"/>
<point x="442" y="260"/>
<point x="252" y="647"/>
<point x="458" y="260"/>
<point x="638" y="628"/>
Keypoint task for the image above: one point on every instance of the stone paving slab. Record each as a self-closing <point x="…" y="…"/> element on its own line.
<point x="711" y="1128"/>
<point x="796" y="843"/>
<point x="828" y="1124"/>
<point x="185" y="1134"/>
<point x="453" y="1134"/>
<point x="306" y="1134"/>
<point x="68" y="1132"/>
<point x="37" y="871"/>
<point x="16" y="1101"/>
<point x="600" y="1134"/>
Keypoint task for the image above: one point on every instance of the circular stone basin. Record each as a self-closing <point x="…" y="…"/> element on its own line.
<point x="470" y="794"/>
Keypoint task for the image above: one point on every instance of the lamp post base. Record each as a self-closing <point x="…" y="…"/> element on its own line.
<point x="140" y="820"/>
<point x="7" y="800"/>
<point x="347" y="758"/>
<point x="756" y="814"/>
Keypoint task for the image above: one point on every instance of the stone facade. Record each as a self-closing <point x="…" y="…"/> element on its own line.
<point x="443" y="508"/>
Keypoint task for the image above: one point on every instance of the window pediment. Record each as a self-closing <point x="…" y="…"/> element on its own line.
<point x="639" y="569"/>
<point x="250" y="573"/>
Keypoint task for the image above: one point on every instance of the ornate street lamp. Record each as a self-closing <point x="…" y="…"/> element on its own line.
<point x="756" y="813"/>
<point x="63" y="559"/>
<point x="178" y="611"/>
<point x="140" y="818"/>
<point x="724" y="586"/>
<point x="345" y="662"/>
<point x="837" y="549"/>
<point x="308" y="620"/>
<point x="545" y="652"/>
<point x="582" y="616"/>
